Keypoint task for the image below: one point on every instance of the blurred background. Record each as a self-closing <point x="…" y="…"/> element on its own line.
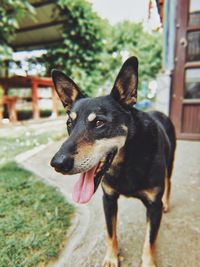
<point x="89" y="40"/>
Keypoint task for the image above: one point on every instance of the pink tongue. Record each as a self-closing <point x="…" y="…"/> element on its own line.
<point x="84" y="187"/>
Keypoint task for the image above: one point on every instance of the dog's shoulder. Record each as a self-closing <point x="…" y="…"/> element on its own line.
<point x="152" y="131"/>
<point x="144" y="123"/>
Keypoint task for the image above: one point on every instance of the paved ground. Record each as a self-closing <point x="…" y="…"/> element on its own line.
<point x="178" y="243"/>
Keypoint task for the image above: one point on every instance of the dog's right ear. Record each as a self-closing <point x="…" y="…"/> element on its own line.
<point x="66" y="89"/>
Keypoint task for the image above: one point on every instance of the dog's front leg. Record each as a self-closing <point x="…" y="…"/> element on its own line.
<point x="154" y="215"/>
<point x="110" y="210"/>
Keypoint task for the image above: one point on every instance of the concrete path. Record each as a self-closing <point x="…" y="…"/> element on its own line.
<point x="178" y="243"/>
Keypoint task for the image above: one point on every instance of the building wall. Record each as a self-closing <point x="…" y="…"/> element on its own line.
<point x="164" y="77"/>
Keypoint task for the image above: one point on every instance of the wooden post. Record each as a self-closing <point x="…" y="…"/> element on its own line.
<point x="1" y="110"/>
<point x="12" y="109"/>
<point x="55" y="103"/>
<point x="35" y="106"/>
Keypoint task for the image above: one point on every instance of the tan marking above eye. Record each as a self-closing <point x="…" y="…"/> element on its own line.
<point x="125" y="128"/>
<point x="73" y="115"/>
<point x="67" y="108"/>
<point x="91" y="116"/>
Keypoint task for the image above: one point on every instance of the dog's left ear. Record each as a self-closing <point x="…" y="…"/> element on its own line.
<point x="125" y="86"/>
<point x="66" y="89"/>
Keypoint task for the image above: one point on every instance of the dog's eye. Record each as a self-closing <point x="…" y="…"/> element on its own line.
<point x="99" y="123"/>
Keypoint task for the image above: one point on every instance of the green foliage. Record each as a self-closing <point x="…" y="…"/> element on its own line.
<point x="125" y="35"/>
<point x="92" y="51"/>
<point x="16" y="141"/>
<point x="83" y="42"/>
<point x="130" y="39"/>
<point x="11" y="11"/>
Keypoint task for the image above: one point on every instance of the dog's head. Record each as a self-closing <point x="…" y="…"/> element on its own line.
<point x="97" y="128"/>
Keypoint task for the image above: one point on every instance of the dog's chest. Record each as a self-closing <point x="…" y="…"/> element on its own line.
<point x="117" y="180"/>
<point x="124" y="178"/>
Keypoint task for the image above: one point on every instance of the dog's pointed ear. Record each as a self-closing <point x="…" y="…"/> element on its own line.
<point x="66" y="89"/>
<point x="125" y="86"/>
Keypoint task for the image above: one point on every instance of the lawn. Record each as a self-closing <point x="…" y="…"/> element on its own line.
<point x="34" y="217"/>
<point x="14" y="140"/>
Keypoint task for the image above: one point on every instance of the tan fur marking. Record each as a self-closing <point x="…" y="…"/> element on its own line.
<point x="74" y="95"/>
<point x="114" y="243"/>
<point x="109" y="190"/>
<point x="118" y="142"/>
<point x="166" y="194"/>
<point x="84" y="149"/>
<point x="111" y="258"/>
<point x="73" y="115"/>
<point x="67" y="116"/>
<point x="91" y="116"/>
<point x="67" y="108"/>
<point x="125" y="128"/>
<point x="102" y="146"/>
<point x="148" y="255"/>
<point x="128" y="100"/>
<point x="151" y="193"/>
<point x="131" y="100"/>
<point x="119" y="157"/>
<point x="119" y="87"/>
<point x="89" y="154"/>
<point x="61" y="94"/>
<point x="62" y="86"/>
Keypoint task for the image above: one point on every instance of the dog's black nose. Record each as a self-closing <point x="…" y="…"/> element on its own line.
<point x="62" y="163"/>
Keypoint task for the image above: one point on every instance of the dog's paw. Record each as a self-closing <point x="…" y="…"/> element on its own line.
<point x="111" y="262"/>
<point x="151" y="265"/>
<point x="165" y="207"/>
<point x="148" y="264"/>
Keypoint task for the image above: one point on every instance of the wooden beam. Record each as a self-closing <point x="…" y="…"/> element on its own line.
<point x="43" y="3"/>
<point x="20" y="81"/>
<point x="35" y="5"/>
<point x="31" y="45"/>
<point x="193" y="28"/>
<point x="41" y="26"/>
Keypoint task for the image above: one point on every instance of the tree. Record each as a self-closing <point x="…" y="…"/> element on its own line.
<point x="128" y="39"/>
<point x="79" y="54"/>
<point x="10" y="14"/>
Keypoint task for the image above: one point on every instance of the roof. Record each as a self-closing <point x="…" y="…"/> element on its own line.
<point x="40" y="30"/>
<point x="45" y="27"/>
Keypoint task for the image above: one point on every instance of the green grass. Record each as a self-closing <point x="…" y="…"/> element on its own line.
<point x="34" y="217"/>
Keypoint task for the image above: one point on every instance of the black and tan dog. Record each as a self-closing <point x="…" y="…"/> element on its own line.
<point x="130" y="152"/>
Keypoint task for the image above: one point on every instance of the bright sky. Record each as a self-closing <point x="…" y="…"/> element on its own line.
<point x="133" y="10"/>
<point x="118" y="10"/>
